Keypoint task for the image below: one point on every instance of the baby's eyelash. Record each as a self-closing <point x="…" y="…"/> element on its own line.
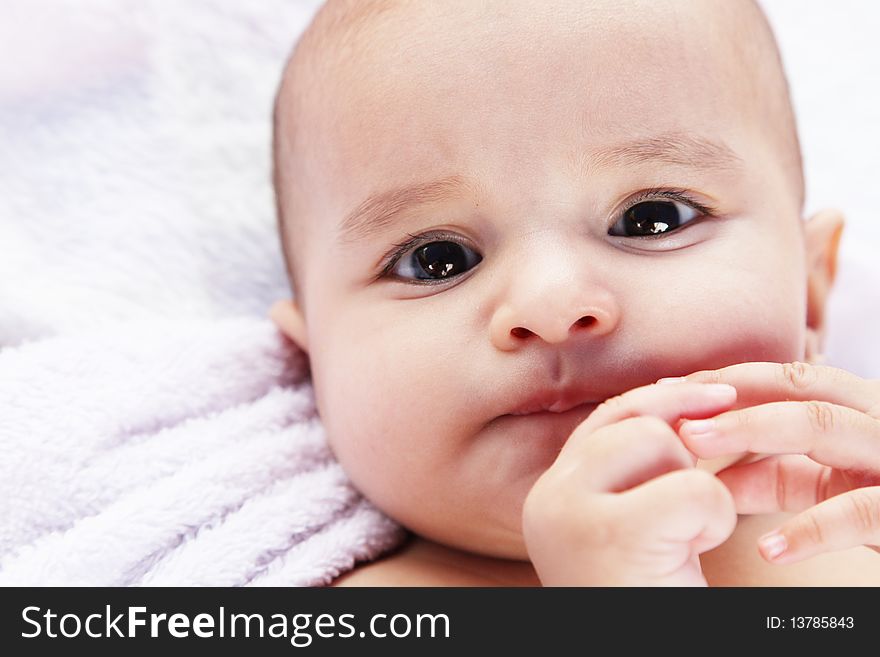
<point x="399" y="249"/>
<point x="674" y="194"/>
<point x="654" y="193"/>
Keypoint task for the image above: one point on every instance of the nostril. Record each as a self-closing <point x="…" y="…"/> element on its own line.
<point x="520" y="332"/>
<point x="586" y="320"/>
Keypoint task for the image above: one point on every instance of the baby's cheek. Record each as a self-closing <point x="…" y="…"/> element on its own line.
<point x="736" y="311"/>
<point x="729" y="334"/>
<point x="380" y="425"/>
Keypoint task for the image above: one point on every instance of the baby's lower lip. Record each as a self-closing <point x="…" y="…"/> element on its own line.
<point x="546" y="429"/>
<point x="553" y="413"/>
<point x="538" y="437"/>
<point x="587" y="407"/>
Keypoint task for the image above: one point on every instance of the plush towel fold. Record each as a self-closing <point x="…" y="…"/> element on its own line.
<point x="173" y="453"/>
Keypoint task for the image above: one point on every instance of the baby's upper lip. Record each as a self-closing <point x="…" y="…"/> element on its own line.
<point x="554" y="400"/>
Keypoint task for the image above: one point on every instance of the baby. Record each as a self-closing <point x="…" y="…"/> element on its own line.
<point x="504" y="222"/>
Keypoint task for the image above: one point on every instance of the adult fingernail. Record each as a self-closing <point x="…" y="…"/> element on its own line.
<point x="772" y="544"/>
<point x="699" y="428"/>
<point x="671" y="379"/>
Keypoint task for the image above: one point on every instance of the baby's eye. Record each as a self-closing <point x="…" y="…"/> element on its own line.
<point x="650" y="218"/>
<point x="436" y="261"/>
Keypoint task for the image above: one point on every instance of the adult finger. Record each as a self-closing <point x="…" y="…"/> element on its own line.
<point x="760" y="382"/>
<point x="669" y="403"/>
<point x="829" y="434"/>
<point x="840" y="522"/>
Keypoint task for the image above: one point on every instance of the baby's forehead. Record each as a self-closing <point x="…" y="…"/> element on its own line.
<point x="357" y="34"/>
<point x="358" y="51"/>
<point x="388" y="77"/>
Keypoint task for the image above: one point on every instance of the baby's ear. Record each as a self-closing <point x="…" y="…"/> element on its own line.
<point x="291" y="321"/>
<point x="822" y="233"/>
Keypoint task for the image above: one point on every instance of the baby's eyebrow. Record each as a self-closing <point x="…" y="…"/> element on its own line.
<point x="677" y="148"/>
<point x="380" y="210"/>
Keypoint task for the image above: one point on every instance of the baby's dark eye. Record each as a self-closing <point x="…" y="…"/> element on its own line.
<point x="436" y="261"/>
<point x="653" y="218"/>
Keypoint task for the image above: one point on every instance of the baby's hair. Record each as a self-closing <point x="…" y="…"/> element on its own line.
<point x="334" y="37"/>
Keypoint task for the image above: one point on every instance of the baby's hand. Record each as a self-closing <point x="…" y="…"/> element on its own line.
<point x="623" y="503"/>
<point x="820" y="427"/>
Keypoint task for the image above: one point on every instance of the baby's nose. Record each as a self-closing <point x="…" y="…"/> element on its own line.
<point x="587" y="312"/>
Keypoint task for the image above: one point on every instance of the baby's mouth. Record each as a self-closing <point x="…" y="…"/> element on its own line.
<point x="579" y="409"/>
<point x="549" y="401"/>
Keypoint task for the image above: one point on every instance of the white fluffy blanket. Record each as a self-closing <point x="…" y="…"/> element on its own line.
<point x="173" y="453"/>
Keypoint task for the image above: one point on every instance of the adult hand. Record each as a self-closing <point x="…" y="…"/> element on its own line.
<point x="818" y="431"/>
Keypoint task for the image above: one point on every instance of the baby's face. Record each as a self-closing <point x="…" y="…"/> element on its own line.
<point x="568" y="202"/>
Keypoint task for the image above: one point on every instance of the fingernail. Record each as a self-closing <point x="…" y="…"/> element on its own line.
<point x="772" y="544"/>
<point x="671" y="379"/>
<point x="699" y="428"/>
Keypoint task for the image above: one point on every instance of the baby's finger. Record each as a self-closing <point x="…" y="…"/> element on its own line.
<point x="670" y="403"/>
<point x="829" y="434"/>
<point x="622" y="455"/>
<point x="792" y="482"/>
<point x="840" y="522"/>
<point x="689" y="507"/>
<point x="759" y="383"/>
